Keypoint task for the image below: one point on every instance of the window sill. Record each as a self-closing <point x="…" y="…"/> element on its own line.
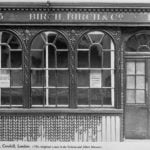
<point x="62" y="110"/>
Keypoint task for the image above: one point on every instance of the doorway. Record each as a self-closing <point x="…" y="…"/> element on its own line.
<point x="137" y="87"/>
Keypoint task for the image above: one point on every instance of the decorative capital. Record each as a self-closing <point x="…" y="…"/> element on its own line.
<point x="116" y="34"/>
<point x="26" y="35"/>
<point x="73" y="36"/>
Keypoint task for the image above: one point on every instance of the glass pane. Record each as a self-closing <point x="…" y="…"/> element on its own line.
<point x="106" y="78"/>
<point x="83" y="78"/>
<point x="130" y="67"/>
<point x="142" y="38"/>
<point x="4" y="78"/>
<point x="16" y="96"/>
<point x="38" y="96"/>
<point x="6" y="37"/>
<point x="107" y="43"/>
<point x="140" y="68"/>
<point x="107" y="97"/>
<point x="4" y="57"/>
<point x="16" y="78"/>
<point x="62" y="79"/>
<point x="96" y="56"/>
<point x="143" y="48"/>
<point x="5" y="96"/>
<point x="140" y="96"/>
<point x="130" y="96"/>
<point x="61" y="42"/>
<point x="62" y="96"/>
<point x="14" y="43"/>
<point x="51" y="56"/>
<point x="140" y="82"/>
<point x="39" y="42"/>
<point x="132" y="44"/>
<point x="16" y="59"/>
<point x="37" y="78"/>
<point x="138" y="43"/>
<point x="96" y="36"/>
<point x="51" y="37"/>
<point x="84" y="43"/>
<point x="106" y="60"/>
<point x="37" y="59"/>
<point x="52" y="78"/>
<point x="52" y="97"/>
<point x="62" y="59"/>
<point x="83" y="59"/>
<point x="131" y="82"/>
<point x="83" y="97"/>
<point x="96" y="96"/>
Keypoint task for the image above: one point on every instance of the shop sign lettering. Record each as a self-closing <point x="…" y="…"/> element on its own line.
<point x="76" y="16"/>
<point x="37" y="16"/>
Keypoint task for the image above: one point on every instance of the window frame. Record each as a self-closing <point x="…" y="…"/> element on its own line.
<point x="26" y="49"/>
<point x="136" y="57"/>
<point x="10" y="69"/>
<point x="46" y="68"/>
<point x="115" y="96"/>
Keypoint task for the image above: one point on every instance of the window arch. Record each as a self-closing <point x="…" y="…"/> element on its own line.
<point x="95" y="69"/>
<point x="50" y="70"/>
<point x="139" y="42"/>
<point x="11" y="76"/>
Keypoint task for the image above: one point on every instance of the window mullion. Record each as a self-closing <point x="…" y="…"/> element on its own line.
<point x="47" y="80"/>
<point x="112" y="77"/>
<point x="56" y="77"/>
<point x="0" y="64"/>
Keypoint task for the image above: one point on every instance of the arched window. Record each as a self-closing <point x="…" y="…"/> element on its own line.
<point x="49" y="70"/>
<point x="139" y="42"/>
<point x="11" y="77"/>
<point x="95" y="70"/>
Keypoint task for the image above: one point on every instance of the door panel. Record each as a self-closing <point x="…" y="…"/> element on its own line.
<point x="137" y="98"/>
<point x="136" y="122"/>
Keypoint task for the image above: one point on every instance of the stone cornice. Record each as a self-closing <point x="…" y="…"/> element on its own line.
<point x="126" y="10"/>
<point x="75" y="7"/>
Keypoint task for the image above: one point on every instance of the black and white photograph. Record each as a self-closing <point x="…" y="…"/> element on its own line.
<point x="75" y="74"/>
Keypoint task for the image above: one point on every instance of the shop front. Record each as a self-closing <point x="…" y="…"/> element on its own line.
<point x="74" y="72"/>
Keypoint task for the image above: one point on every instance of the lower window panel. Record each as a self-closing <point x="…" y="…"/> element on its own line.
<point x="11" y="96"/>
<point x="94" y="96"/>
<point x="50" y="96"/>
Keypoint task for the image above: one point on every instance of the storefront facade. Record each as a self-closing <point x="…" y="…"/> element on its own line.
<point x="74" y="72"/>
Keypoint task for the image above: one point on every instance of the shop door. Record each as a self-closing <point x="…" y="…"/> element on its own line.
<point x="137" y="95"/>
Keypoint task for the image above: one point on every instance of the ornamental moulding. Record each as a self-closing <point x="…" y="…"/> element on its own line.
<point x="136" y="10"/>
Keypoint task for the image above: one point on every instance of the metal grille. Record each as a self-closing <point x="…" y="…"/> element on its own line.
<point x="51" y="127"/>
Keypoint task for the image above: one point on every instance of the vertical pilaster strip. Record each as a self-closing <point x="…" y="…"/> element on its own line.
<point x="26" y="57"/>
<point x="73" y="36"/>
<point x="25" y="36"/>
<point x="72" y="68"/>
